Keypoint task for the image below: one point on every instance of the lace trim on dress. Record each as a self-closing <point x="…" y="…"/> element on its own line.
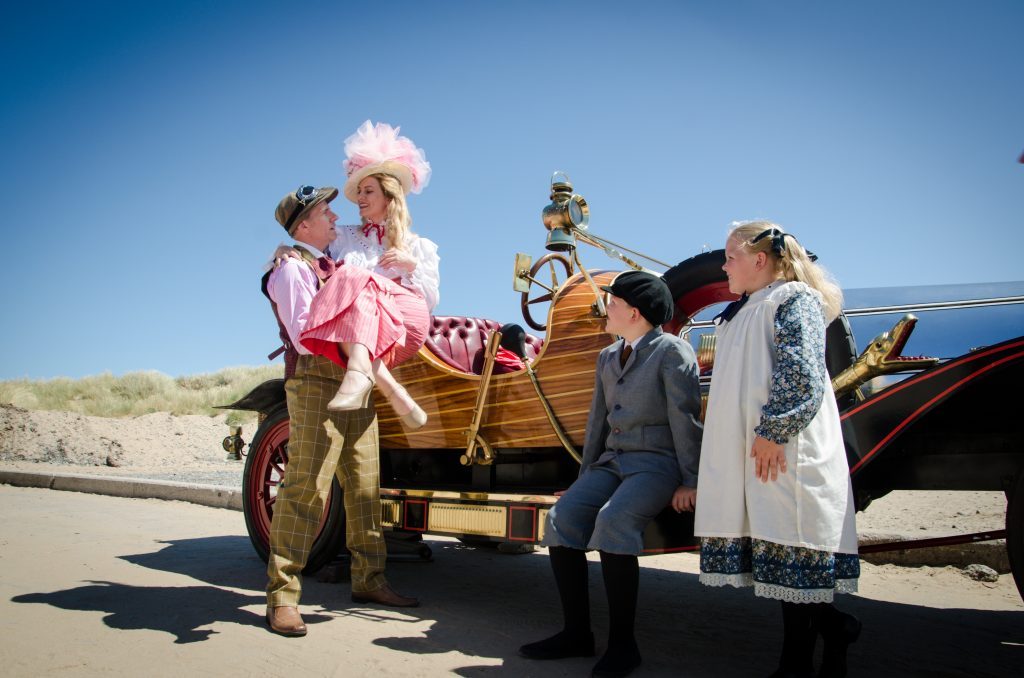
<point x="776" y="592"/>
<point x="846" y="585"/>
<point x="788" y="595"/>
<point x="718" y="579"/>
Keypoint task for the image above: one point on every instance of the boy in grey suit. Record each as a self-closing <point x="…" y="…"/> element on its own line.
<point x="640" y="454"/>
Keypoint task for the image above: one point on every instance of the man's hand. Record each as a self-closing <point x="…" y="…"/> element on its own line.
<point x="769" y="459"/>
<point x="684" y="499"/>
<point x="398" y="260"/>
<point x="284" y="252"/>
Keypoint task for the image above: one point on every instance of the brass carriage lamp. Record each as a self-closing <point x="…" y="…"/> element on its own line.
<point x="234" y="443"/>
<point x="565" y="213"/>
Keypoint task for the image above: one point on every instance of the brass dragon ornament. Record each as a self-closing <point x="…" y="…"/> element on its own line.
<point x="882" y="356"/>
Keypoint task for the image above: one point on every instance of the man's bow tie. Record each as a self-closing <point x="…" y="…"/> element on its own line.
<point x="325" y="267"/>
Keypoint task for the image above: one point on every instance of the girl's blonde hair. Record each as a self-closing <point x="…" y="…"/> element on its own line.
<point x="398" y="219"/>
<point x="790" y="260"/>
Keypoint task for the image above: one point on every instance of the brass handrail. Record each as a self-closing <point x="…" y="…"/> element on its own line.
<point x="562" y="438"/>
<point x="473" y="437"/>
<point x="599" y="310"/>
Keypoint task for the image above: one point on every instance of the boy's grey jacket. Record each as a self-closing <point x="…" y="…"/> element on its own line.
<point x="648" y="413"/>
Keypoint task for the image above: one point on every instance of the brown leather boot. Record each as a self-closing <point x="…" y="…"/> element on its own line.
<point x="286" y="621"/>
<point x="384" y="596"/>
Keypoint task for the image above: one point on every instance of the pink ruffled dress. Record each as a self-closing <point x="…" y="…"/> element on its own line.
<point x="384" y="309"/>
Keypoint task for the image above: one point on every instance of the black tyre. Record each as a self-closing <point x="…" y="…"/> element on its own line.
<point x="264" y="470"/>
<point x="1015" y="530"/>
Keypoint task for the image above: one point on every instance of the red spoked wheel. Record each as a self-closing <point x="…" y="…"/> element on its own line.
<point x="264" y="471"/>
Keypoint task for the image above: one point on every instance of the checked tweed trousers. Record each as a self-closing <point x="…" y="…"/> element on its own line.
<point x="323" y="444"/>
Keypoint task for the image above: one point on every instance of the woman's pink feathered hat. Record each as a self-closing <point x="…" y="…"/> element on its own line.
<point x="377" y="149"/>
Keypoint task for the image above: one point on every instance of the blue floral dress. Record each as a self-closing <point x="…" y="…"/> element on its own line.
<point x="793" y="539"/>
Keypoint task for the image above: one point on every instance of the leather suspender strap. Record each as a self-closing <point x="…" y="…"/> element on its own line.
<point x="291" y="356"/>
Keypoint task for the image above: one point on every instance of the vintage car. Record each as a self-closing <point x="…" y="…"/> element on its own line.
<point x="502" y="439"/>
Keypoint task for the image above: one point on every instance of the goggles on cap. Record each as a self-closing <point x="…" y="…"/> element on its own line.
<point x="303" y="194"/>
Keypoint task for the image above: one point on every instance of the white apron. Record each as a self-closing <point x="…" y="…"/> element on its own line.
<point x="811" y="505"/>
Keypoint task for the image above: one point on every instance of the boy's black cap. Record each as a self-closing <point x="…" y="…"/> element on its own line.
<point x="645" y="292"/>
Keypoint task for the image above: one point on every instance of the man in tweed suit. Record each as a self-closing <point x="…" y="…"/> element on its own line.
<point x="321" y="443"/>
<point x="640" y="454"/>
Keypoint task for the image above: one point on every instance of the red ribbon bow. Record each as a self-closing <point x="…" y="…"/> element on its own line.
<point x="380" y="231"/>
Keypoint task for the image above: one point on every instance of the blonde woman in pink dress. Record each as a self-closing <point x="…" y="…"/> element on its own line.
<point x="373" y="312"/>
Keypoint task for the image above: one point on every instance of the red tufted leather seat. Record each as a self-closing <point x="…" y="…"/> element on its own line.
<point x="459" y="342"/>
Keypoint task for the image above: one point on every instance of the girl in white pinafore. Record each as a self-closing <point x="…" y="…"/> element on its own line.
<point x="774" y="501"/>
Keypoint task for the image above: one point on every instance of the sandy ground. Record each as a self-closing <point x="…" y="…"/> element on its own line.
<point x="160" y="446"/>
<point x="97" y="585"/>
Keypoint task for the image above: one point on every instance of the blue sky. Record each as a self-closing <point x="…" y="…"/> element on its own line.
<point x="145" y="146"/>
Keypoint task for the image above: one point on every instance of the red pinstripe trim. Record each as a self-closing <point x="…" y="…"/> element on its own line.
<point x="929" y="403"/>
<point x="405" y="514"/>
<point x="533" y="534"/>
<point x="927" y="375"/>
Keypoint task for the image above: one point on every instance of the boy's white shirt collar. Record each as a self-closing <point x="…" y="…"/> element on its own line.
<point x="636" y="342"/>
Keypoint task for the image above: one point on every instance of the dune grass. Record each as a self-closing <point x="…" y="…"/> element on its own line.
<point x="136" y="393"/>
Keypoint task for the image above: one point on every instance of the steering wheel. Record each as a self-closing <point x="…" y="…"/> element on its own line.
<point x="548" y="260"/>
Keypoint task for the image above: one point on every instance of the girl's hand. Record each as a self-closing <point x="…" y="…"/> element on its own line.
<point x="399" y="260"/>
<point x="769" y="459"/>
<point x="684" y="499"/>
<point x="283" y="252"/>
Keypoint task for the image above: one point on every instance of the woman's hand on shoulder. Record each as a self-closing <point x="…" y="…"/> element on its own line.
<point x="398" y="259"/>
<point x="284" y="252"/>
<point x="684" y="499"/>
<point x="769" y="459"/>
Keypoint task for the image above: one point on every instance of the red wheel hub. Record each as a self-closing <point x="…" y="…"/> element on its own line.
<point x="267" y="473"/>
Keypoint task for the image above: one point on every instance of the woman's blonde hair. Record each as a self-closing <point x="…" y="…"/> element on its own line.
<point x="790" y="260"/>
<point x="398" y="219"/>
